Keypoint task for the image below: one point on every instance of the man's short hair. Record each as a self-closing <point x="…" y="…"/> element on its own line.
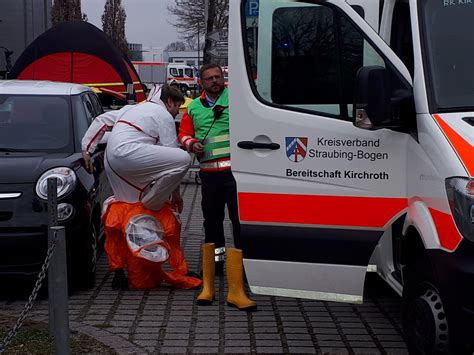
<point x="207" y="67"/>
<point x="171" y="92"/>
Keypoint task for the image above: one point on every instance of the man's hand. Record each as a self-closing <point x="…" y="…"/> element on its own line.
<point x="87" y="162"/>
<point x="197" y="149"/>
<point x="177" y="201"/>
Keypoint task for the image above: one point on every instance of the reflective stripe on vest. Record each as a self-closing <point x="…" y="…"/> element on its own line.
<point x="216" y="139"/>
<point x="216" y="153"/>
<point x="215" y="165"/>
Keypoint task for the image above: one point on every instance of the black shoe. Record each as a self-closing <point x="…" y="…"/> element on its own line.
<point x="120" y="281"/>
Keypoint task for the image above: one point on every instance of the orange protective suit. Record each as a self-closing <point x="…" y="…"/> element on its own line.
<point x="142" y="273"/>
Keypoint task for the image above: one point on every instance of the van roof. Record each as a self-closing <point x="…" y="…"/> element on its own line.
<point x="40" y="87"/>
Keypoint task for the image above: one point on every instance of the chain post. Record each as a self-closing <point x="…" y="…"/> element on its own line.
<point x="60" y="306"/>
<point x="52" y="222"/>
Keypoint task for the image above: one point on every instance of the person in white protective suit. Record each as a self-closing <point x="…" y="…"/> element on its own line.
<point x="143" y="160"/>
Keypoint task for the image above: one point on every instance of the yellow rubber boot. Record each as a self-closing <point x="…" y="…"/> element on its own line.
<point x="208" y="271"/>
<point x="236" y="296"/>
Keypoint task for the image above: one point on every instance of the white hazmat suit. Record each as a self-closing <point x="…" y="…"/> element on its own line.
<point x="143" y="160"/>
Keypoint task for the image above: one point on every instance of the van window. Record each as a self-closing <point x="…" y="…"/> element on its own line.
<point x="400" y="35"/>
<point x="447" y="49"/>
<point x="188" y="72"/>
<point x="176" y="72"/>
<point x="306" y="56"/>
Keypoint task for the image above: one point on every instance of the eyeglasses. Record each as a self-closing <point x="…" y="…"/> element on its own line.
<point x="216" y="77"/>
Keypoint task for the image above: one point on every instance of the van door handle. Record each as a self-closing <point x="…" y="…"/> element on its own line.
<point x="254" y="145"/>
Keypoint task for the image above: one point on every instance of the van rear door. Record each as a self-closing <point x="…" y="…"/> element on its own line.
<point x="315" y="193"/>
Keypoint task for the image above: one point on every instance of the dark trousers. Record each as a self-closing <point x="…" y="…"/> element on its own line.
<point x="219" y="189"/>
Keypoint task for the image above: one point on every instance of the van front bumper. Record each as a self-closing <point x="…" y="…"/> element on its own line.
<point x="454" y="274"/>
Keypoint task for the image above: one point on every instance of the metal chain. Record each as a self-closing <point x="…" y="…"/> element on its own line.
<point x="28" y="305"/>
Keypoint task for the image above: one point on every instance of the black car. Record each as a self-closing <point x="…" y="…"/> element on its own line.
<point x="41" y="126"/>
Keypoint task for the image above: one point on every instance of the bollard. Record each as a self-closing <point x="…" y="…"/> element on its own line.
<point x="52" y="222"/>
<point x="58" y="268"/>
<point x="57" y="276"/>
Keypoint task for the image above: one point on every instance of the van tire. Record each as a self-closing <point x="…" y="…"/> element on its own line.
<point x="423" y="316"/>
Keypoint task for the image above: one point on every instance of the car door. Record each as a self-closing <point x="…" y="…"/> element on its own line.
<point x="315" y="193"/>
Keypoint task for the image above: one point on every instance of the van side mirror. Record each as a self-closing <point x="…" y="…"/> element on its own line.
<point x="377" y="104"/>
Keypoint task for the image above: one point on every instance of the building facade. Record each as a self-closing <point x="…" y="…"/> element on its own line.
<point x="21" y="21"/>
<point x="193" y="58"/>
<point x="136" y="51"/>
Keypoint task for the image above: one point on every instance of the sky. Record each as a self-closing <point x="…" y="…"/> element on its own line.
<point x="148" y="21"/>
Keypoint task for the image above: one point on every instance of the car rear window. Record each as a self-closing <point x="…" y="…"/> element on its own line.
<point x="36" y="123"/>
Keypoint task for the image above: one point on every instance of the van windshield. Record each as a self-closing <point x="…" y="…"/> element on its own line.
<point x="35" y="123"/>
<point x="448" y="50"/>
<point x="189" y="72"/>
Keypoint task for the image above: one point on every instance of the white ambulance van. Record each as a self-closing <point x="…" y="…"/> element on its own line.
<point x="369" y="163"/>
<point x="182" y="75"/>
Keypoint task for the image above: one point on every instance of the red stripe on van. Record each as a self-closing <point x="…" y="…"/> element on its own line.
<point x="346" y="211"/>
<point x="448" y="234"/>
<point x="463" y="148"/>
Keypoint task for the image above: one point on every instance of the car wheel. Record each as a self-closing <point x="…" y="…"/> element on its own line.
<point x="424" y="319"/>
<point x="86" y="263"/>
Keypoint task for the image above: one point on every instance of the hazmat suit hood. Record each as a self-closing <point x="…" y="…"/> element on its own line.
<point x="154" y="95"/>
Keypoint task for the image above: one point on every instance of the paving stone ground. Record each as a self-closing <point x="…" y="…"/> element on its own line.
<point x="167" y="320"/>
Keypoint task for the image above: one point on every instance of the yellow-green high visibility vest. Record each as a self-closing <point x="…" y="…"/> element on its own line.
<point x="214" y="132"/>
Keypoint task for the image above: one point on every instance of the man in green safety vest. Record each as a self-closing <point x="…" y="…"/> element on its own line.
<point x="204" y="131"/>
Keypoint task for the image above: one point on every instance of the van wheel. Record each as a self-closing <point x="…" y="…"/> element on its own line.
<point x="426" y="326"/>
<point x="424" y="319"/>
<point x="183" y="88"/>
<point x="86" y="263"/>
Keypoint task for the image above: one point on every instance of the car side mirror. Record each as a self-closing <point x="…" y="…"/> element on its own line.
<point x="377" y="104"/>
<point x="372" y="98"/>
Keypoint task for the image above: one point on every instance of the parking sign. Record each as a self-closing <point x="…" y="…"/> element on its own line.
<point x="251" y="8"/>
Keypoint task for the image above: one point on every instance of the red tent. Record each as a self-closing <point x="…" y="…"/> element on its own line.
<point x="78" y="52"/>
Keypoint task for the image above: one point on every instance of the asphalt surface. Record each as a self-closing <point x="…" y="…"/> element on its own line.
<point x="168" y="321"/>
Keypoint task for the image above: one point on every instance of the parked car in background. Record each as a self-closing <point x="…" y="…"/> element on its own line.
<point x="41" y="126"/>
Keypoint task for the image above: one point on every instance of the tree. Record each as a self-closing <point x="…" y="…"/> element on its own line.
<point x="192" y="44"/>
<point x="191" y="20"/>
<point x="113" y="23"/>
<point x="190" y="17"/>
<point x="176" y="47"/>
<point x="67" y="10"/>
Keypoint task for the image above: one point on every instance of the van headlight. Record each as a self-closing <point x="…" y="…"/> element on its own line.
<point x="65" y="177"/>
<point x="461" y="201"/>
